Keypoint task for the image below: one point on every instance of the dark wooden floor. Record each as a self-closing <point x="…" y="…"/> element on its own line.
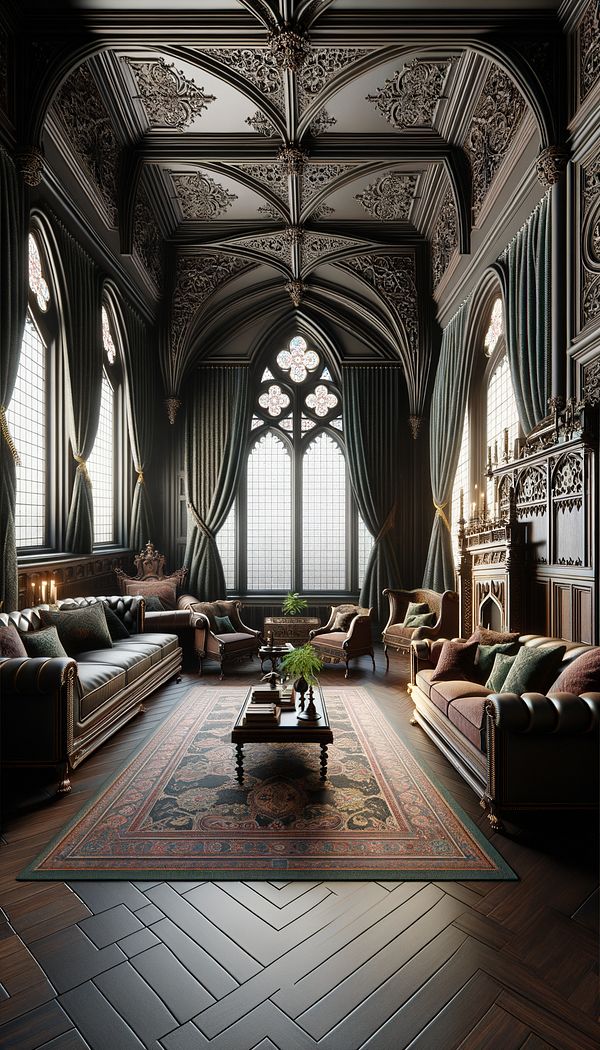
<point x="294" y="965"/>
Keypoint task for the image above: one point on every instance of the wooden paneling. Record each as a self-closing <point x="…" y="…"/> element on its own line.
<point x="73" y="577"/>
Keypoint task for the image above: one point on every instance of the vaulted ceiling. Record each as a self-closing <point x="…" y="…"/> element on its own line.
<point x="319" y="162"/>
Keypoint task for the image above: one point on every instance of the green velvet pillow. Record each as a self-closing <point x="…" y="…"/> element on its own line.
<point x="223" y="625"/>
<point x="486" y="654"/>
<point x="534" y="670"/>
<point x="153" y="603"/>
<point x="500" y="668"/>
<point x="79" y="629"/>
<point x="414" y="609"/>
<point x="43" y="643"/>
<point x="421" y="620"/>
<point x="116" y="627"/>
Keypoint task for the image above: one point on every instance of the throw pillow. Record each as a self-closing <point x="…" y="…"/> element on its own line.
<point x="484" y="636"/>
<point x="420" y="620"/>
<point x="116" y="627"/>
<point x="11" y="645"/>
<point x="456" y="662"/>
<point x="580" y="676"/>
<point x="534" y="669"/>
<point x="343" y="620"/>
<point x="486" y="654"/>
<point x="223" y="625"/>
<point x="79" y="629"/>
<point x="164" y="589"/>
<point x="43" y="643"/>
<point x="501" y="666"/>
<point x="153" y="604"/>
<point x="414" y="609"/>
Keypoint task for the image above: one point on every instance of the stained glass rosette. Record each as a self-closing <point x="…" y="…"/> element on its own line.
<point x="274" y="400"/>
<point x="298" y="360"/>
<point x="321" y="401"/>
<point x="37" y="281"/>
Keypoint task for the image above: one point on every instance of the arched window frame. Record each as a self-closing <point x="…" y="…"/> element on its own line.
<point x="296" y="442"/>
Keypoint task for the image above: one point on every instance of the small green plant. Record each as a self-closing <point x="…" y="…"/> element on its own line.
<point x="293" y="604"/>
<point x="303" y="662"/>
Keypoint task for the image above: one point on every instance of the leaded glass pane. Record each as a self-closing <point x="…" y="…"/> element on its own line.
<point x="107" y="340"/>
<point x="502" y="420"/>
<point x="267" y="374"/>
<point x="323" y="516"/>
<point x="337" y="423"/>
<point x="269" y="514"/>
<point x="37" y="282"/>
<point x="287" y="423"/>
<point x="256" y="422"/>
<point x="496" y="328"/>
<point x="101" y="468"/>
<point x="321" y="400"/>
<point x="298" y="361"/>
<point x="461" y="483"/>
<point x="307" y="424"/>
<point x="274" y="400"/>
<point x="365" y="546"/>
<point x="26" y="417"/>
<point x="226" y="544"/>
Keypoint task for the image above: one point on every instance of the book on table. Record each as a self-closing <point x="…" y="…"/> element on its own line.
<point x="264" y="694"/>
<point x="260" y="714"/>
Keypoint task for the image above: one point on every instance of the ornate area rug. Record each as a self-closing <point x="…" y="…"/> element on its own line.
<point x="176" y="811"/>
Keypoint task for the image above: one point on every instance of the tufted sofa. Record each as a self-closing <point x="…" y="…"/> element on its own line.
<point x="518" y="753"/>
<point x="56" y="711"/>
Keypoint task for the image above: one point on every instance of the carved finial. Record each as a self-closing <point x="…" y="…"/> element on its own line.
<point x="289" y="48"/>
<point x="415" y="423"/>
<point x="31" y="165"/>
<point x="294" y="234"/>
<point x="550" y="165"/>
<point x="295" y="290"/>
<point x="173" y="405"/>
<point x="292" y="159"/>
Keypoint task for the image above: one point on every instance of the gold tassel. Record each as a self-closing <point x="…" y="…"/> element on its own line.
<point x="439" y="507"/>
<point x="140" y="476"/>
<point x="7" y="436"/>
<point x="82" y="468"/>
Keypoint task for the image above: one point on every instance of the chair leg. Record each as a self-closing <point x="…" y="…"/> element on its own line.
<point x="373" y="660"/>
<point x="346" y="674"/>
<point x="387" y="659"/>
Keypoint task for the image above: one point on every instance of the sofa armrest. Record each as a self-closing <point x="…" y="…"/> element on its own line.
<point x="37" y="710"/>
<point x="398" y="605"/>
<point x="169" y="620"/>
<point x="562" y="714"/>
<point x="359" y="631"/>
<point x="25" y="675"/>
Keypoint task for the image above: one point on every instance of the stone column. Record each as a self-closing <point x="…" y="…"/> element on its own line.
<point x="551" y="171"/>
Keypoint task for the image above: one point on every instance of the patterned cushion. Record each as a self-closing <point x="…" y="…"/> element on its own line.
<point x="43" y="643"/>
<point x="457" y="661"/>
<point x="581" y="676"/>
<point x="486" y="654"/>
<point x="414" y="609"/>
<point x="223" y="625"/>
<point x="534" y="669"/>
<point x="164" y="589"/>
<point x="420" y="620"/>
<point x="500" y="668"/>
<point x="79" y="629"/>
<point x="484" y="636"/>
<point x="116" y="627"/>
<point x="11" y="645"/>
<point x="343" y="620"/>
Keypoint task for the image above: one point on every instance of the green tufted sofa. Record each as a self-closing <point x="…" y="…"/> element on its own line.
<point x="56" y="711"/>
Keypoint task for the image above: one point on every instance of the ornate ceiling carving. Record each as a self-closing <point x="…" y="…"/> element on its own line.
<point x="295" y="290"/>
<point x="316" y="246"/>
<point x="589" y="48"/>
<point x="321" y="123"/>
<point x="390" y="197"/>
<point x="269" y="212"/>
<point x="322" y="65"/>
<point x="200" y="197"/>
<point x="291" y="159"/>
<point x="91" y="134"/>
<point x="316" y="177"/>
<point x="322" y="211"/>
<point x="271" y="174"/>
<point x="256" y="64"/>
<point x="147" y="241"/>
<point x="445" y="238"/>
<point x="197" y="278"/>
<point x="495" y="120"/>
<point x="289" y="48"/>
<point x="261" y="124"/>
<point x="170" y="99"/>
<point x="410" y="98"/>
<point x="277" y="244"/>
<point x="392" y="277"/>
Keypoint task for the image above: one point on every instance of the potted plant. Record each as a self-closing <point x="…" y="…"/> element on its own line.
<point x="293" y="604"/>
<point x="302" y="664"/>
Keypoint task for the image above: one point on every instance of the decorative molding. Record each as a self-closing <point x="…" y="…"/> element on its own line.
<point x="289" y="48"/>
<point x="271" y="174"/>
<point x="322" y="211"/>
<point x="256" y="64"/>
<point x="410" y="98"/>
<point x="496" y="118"/>
<point x="445" y="238"/>
<point x="322" y="122"/>
<point x="91" y="134"/>
<point x="589" y="48"/>
<point x="591" y="184"/>
<point x="316" y="177"/>
<point x="567" y="480"/>
<point x="590" y="246"/>
<point x="291" y="159"/>
<point x="295" y="290"/>
<point x="590" y="385"/>
<point x="532" y="491"/>
<point x="321" y="66"/>
<point x="30" y="163"/>
<point x="393" y="277"/>
<point x="269" y="211"/>
<point x="197" y="277"/>
<point x="316" y="246"/>
<point x="590" y="297"/>
<point x="172" y="405"/>
<point x="551" y="165"/>
<point x="147" y="241"/>
<point x="200" y="197"/>
<point x="170" y="99"/>
<point x="294" y="234"/>
<point x="261" y="124"/>
<point x="390" y="197"/>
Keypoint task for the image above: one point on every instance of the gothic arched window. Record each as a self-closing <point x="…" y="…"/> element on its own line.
<point x="102" y="461"/>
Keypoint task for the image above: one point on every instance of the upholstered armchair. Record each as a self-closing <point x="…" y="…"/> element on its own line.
<point x="347" y="634"/>
<point x="443" y="609"/>
<point x="219" y="633"/>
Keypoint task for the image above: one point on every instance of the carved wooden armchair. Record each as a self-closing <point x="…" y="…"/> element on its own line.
<point x="347" y="634"/>
<point x="163" y="610"/>
<point x="219" y="633"/>
<point x="442" y="609"/>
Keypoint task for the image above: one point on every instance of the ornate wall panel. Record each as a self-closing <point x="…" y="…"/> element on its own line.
<point x="170" y="99"/>
<point x="445" y="238"/>
<point x="588" y="39"/>
<point x="390" y="197"/>
<point x="590" y="242"/>
<point x="410" y="98"/>
<point x="495" y="121"/>
<point x="200" y="197"/>
<point x="91" y="134"/>
<point x="256" y="64"/>
<point x="590" y="386"/>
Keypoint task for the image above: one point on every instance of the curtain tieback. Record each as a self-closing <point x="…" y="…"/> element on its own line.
<point x="439" y="509"/>
<point x="6" y="434"/>
<point x="82" y="468"/>
<point x="201" y="525"/>
<point x="140" y="476"/>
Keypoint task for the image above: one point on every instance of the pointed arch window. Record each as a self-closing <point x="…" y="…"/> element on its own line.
<point x="107" y="454"/>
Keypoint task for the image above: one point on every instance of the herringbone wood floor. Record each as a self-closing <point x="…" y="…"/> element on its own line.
<point x="293" y="965"/>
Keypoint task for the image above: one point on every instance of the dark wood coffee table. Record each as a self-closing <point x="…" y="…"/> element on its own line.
<point x="274" y="653"/>
<point x="287" y="731"/>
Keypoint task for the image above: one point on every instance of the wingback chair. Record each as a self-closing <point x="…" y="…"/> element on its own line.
<point x="443" y="606"/>
<point x="346" y="634"/>
<point x="213" y="639"/>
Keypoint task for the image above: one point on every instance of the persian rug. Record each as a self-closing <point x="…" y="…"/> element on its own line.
<point x="176" y="810"/>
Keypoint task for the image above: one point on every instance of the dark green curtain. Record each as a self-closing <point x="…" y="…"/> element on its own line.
<point x="373" y="420"/>
<point x="525" y="270"/>
<point x="217" y="422"/>
<point x="448" y="404"/>
<point x="83" y="349"/>
<point x="13" y="309"/>
<point x="141" y="410"/>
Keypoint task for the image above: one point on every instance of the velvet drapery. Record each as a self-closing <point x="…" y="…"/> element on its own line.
<point x="13" y="310"/>
<point x="141" y="408"/>
<point x="215" y="447"/>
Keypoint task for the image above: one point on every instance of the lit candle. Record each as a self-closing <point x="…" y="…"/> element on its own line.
<point x="44" y="590"/>
<point x="52" y="590"/>
<point x="33" y="592"/>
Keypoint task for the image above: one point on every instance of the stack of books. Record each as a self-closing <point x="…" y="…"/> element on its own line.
<point x="261" y="714"/>
<point x="288" y="697"/>
<point x="263" y="694"/>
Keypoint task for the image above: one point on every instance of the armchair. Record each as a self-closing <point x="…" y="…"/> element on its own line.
<point x="211" y="640"/>
<point x="346" y="634"/>
<point x="445" y="607"/>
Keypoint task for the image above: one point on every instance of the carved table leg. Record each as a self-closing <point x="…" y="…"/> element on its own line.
<point x="64" y="784"/>
<point x="239" y="762"/>
<point x="323" y="761"/>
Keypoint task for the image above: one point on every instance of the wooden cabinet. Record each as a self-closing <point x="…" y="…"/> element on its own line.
<point x="292" y="629"/>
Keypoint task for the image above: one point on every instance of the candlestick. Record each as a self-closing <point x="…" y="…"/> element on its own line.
<point x="506" y="444"/>
<point x="33" y="592"/>
<point x="489" y="457"/>
<point x="496" y="451"/>
<point x="461" y="505"/>
<point x="53" y="591"/>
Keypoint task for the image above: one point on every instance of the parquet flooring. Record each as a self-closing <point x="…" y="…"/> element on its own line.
<point x="298" y="965"/>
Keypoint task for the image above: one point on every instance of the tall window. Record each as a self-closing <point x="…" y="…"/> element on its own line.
<point x="502" y="417"/>
<point x="27" y="411"/>
<point x="461" y="486"/>
<point x="101" y="463"/>
<point x="296" y="521"/>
